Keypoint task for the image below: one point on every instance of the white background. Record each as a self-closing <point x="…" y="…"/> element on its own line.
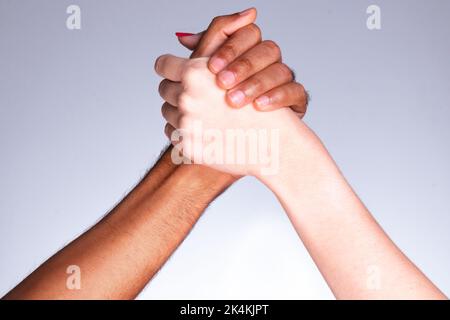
<point x="80" y="124"/>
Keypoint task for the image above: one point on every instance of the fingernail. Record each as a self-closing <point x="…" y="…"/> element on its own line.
<point x="245" y="12"/>
<point x="236" y="97"/>
<point x="183" y="34"/>
<point x="227" y="78"/>
<point x="262" y="101"/>
<point x="217" y="64"/>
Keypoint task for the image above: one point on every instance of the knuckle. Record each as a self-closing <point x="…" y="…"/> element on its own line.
<point x="301" y="98"/>
<point x="256" y="84"/>
<point x="162" y="87"/>
<point x="279" y="96"/>
<point x="244" y="65"/>
<point x="255" y="31"/>
<point x="272" y="47"/>
<point x="160" y="63"/>
<point x="228" y="52"/>
<point x="192" y="71"/>
<point x="300" y="91"/>
<point x="164" y="110"/>
<point x="286" y="72"/>
<point x="187" y="74"/>
<point x="217" y="21"/>
<point x="185" y="103"/>
<point x="189" y="68"/>
<point x="194" y="64"/>
<point x="157" y="65"/>
<point x="168" y="130"/>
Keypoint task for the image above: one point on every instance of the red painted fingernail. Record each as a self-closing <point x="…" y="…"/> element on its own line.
<point x="183" y="34"/>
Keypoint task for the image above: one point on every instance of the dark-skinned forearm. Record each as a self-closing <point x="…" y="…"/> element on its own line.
<point x="121" y="253"/>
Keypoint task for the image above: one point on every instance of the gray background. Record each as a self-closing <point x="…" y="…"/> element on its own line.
<point x="80" y="124"/>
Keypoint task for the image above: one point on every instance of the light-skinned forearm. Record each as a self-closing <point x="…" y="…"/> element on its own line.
<point x="353" y="253"/>
<point x="121" y="253"/>
<point x="355" y="256"/>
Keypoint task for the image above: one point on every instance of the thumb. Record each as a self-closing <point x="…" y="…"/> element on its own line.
<point x="220" y="29"/>
<point x="189" y="41"/>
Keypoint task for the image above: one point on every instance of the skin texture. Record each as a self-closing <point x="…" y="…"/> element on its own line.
<point x="255" y="67"/>
<point x="191" y="99"/>
<point x="353" y="253"/>
<point x="121" y="253"/>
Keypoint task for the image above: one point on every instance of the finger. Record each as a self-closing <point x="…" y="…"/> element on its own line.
<point x="251" y="62"/>
<point x="170" y="91"/>
<point x="190" y="41"/>
<point x="291" y="95"/>
<point x="175" y="138"/>
<point x="171" y="114"/>
<point x="220" y="29"/>
<point x="170" y="67"/>
<point x="168" y="131"/>
<point x="238" y="43"/>
<point x="271" y="77"/>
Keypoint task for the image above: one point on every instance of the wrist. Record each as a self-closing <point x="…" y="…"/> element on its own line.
<point x="293" y="148"/>
<point x="303" y="164"/>
<point x="308" y="184"/>
<point x="206" y="177"/>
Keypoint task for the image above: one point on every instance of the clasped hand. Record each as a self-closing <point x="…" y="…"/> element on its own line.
<point x="205" y="129"/>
